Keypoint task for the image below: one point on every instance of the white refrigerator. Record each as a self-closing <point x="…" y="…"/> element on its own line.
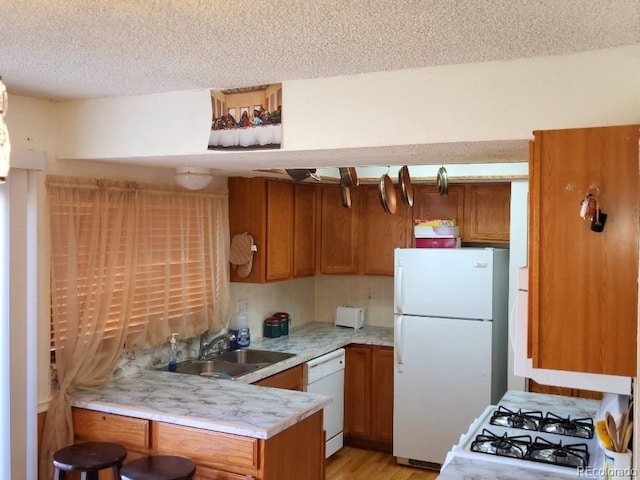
<point x="450" y="334"/>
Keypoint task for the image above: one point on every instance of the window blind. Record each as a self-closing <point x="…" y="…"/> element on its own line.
<point x="171" y="239"/>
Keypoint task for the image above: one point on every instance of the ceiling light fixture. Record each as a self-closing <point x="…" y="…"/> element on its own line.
<point x="5" y="145"/>
<point x="193" y="178"/>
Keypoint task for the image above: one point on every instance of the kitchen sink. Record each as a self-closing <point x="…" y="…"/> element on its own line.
<point x="232" y="363"/>
<point x="255" y="357"/>
<point x="215" y="368"/>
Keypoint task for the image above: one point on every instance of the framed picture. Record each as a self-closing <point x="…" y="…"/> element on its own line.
<point x="247" y="118"/>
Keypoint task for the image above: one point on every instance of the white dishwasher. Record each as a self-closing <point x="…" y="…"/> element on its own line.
<point x="325" y="375"/>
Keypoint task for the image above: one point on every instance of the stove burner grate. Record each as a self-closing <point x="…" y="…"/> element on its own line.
<point x="577" y="427"/>
<point x="504" y="446"/>
<point x="524" y="420"/>
<point x="574" y="455"/>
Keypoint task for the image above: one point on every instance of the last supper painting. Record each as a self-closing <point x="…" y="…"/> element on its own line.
<point x="246" y="118"/>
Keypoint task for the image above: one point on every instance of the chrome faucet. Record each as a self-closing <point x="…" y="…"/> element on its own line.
<point x="218" y="344"/>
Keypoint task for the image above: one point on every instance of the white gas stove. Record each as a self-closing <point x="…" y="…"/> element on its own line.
<point x="535" y="440"/>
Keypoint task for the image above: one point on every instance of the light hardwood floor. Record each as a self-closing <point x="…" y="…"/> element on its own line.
<point x="355" y="464"/>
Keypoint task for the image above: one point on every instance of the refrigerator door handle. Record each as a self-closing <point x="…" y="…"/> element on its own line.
<point x="398" y="292"/>
<point x="399" y="343"/>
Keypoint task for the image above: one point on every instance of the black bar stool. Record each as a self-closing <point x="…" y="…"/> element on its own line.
<point x="88" y="459"/>
<point x="159" y="467"/>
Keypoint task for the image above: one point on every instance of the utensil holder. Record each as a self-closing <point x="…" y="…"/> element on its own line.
<point x="617" y="465"/>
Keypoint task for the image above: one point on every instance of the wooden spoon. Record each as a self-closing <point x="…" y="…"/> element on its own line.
<point x="627" y="437"/>
<point x="622" y="428"/>
<point x="611" y="430"/>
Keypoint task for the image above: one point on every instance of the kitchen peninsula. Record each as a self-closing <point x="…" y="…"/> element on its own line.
<point x="231" y="429"/>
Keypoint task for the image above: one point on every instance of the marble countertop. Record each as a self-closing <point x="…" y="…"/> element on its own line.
<point x="230" y="406"/>
<point x="558" y="404"/>
<point x="312" y="340"/>
<point x="464" y="468"/>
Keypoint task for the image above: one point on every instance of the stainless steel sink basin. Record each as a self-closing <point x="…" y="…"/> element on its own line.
<point x="215" y="368"/>
<point x="250" y="356"/>
<point x="232" y="364"/>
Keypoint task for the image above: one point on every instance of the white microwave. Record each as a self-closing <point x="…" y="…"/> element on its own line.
<point x="352" y="317"/>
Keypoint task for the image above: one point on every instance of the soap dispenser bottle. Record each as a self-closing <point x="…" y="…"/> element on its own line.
<point x="174" y="353"/>
<point x="239" y="327"/>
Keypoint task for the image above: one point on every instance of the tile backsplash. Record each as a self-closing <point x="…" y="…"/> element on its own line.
<point x="374" y="293"/>
<point x="314" y="299"/>
<point x="311" y="299"/>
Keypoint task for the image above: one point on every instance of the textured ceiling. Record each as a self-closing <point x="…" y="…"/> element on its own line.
<point x="63" y="49"/>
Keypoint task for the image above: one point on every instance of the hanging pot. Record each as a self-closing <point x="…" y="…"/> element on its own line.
<point x="442" y="181"/>
<point x="346" y="196"/>
<point x="349" y="177"/>
<point x="406" y="188"/>
<point x="301" y="174"/>
<point x="387" y="194"/>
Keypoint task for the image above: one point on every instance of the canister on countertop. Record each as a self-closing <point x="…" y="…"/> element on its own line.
<point x="285" y="319"/>
<point x="272" y="327"/>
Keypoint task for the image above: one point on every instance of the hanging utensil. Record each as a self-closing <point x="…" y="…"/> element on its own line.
<point x="442" y="181"/>
<point x="406" y="188"/>
<point x="301" y="174"/>
<point x="346" y="196"/>
<point x="387" y="194"/>
<point x="349" y="177"/>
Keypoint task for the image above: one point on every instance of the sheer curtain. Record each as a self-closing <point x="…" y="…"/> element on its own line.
<point x="129" y="265"/>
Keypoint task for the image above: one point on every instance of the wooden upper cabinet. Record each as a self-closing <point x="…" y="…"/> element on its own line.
<point x="264" y="209"/>
<point x="583" y="289"/>
<point x="481" y="210"/>
<point x="486" y="212"/>
<point x="338" y="231"/>
<point x="382" y="232"/>
<point x="428" y="203"/>
<point x="304" y="230"/>
<point x="248" y="213"/>
<point x="279" y="230"/>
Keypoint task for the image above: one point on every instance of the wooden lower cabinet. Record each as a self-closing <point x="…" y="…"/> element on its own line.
<point x="218" y="456"/>
<point x="369" y="397"/>
<point x="290" y="379"/>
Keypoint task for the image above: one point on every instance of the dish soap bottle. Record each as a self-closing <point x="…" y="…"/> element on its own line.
<point x="239" y="326"/>
<point x="173" y="361"/>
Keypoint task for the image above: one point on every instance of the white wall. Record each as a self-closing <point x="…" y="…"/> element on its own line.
<point x="295" y="297"/>
<point x="374" y="293"/>
<point x="460" y="103"/>
<point x="518" y="241"/>
<point x="473" y="102"/>
<point x="146" y="125"/>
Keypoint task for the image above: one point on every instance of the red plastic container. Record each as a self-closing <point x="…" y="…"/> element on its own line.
<point x="437" y="242"/>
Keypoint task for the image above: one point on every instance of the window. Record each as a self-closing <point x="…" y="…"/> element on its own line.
<point x="136" y="263"/>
